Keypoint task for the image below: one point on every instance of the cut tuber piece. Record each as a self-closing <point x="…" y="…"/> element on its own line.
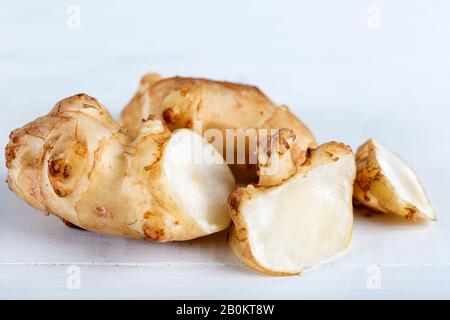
<point x="80" y="165"/>
<point x="385" y="183"/>
<point x="307" y="218"/>
<point x="184" y="102"/>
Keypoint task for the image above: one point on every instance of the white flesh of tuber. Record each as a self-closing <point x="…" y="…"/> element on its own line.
<point x="306" y="219"/>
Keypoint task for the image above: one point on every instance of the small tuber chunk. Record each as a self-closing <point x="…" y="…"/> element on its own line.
<point x="386" y="184"/>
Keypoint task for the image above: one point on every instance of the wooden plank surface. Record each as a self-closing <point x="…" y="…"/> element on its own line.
<point x="346" y="80"/>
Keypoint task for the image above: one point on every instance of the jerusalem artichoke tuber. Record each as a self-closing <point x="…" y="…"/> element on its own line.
<point x="297" y="218"/>
<point x="386" y="184"/>
<point x="79" y="164"/>
<point x="181" y="102"/>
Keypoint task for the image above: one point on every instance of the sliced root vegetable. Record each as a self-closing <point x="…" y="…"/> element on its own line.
<point x="385" y="183"/>
<point x="80" y="165"/>
<point x="305" y="219"/>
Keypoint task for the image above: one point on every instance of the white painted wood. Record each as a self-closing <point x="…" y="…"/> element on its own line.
<point x="218" y="282"/>
<point x="347" y="81"/>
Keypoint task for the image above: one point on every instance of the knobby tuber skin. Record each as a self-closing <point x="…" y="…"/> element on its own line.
<point x="240" y="235"/>
<point x="79" y="164"/>
<point x="180" y="102"/>
<point x="274" y="161"/>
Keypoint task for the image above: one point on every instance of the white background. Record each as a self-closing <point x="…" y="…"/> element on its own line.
<point x="346" y="75"/>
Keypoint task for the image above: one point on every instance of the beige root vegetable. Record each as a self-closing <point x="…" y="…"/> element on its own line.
<point x="181" y="102"/>
<point x="385" y="183"/>
<point x="294" y="218"/>
<point x="78" y="163"/>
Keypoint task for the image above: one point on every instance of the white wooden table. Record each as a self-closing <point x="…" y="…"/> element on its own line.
<point x="345" y="72"/>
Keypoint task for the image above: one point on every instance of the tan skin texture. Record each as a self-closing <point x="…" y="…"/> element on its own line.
<point x="179" y="102"/>
<point x="79" y="164"/>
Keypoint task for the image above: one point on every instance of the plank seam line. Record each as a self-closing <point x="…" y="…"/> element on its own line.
<point x="206" y="264"/>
